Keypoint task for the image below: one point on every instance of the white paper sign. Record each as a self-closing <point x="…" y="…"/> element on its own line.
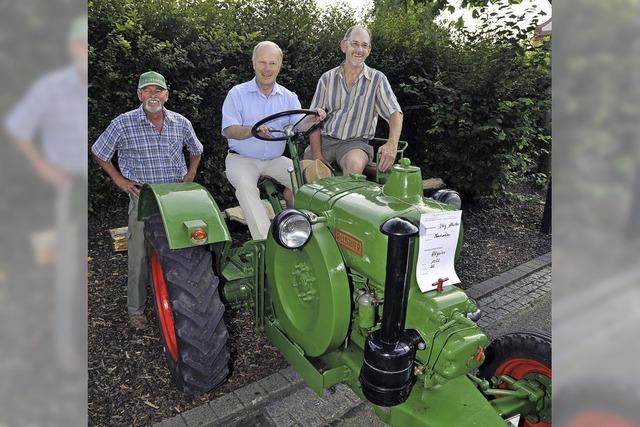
<point x="437" y="249"/>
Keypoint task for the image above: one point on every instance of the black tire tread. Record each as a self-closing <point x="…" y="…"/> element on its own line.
<point x="531" y="345"/>
<point x="527" y="344"/>
<point x="203" y="357"/>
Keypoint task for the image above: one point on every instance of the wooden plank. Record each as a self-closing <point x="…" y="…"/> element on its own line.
<point x="235" y="213"/>
<point x="119" y="239"/>
<point x="432" y="184"/>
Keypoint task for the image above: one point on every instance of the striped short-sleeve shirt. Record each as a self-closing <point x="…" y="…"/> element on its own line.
<point x="353" y="113"/>
<point x="144" y="154"/>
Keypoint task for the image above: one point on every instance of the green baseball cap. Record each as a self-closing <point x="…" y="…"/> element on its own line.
<point x="151" y="78"/>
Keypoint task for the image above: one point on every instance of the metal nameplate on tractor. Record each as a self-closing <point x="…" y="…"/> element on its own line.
<point x="349" y="242"/>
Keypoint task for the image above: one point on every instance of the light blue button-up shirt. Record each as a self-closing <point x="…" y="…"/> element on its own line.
<point x="245" y="105"/>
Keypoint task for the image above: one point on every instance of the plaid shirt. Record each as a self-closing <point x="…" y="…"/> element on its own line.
<point x="144" y="154"/>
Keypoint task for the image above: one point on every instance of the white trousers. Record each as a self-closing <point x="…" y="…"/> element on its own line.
<point x="243" y="173"/>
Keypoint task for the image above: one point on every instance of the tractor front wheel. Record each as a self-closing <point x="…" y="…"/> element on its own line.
<point x="521" y="355"/>
<point x="189" y="310"/>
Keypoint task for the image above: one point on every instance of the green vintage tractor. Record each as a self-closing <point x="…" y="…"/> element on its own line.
<point x="334" y="288"/>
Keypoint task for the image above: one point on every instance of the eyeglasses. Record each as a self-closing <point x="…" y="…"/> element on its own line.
<point x="354" y="44"/>
<point x="156" y="92"/>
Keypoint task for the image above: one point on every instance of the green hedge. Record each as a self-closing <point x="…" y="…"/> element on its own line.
<point x="474" y="107"/>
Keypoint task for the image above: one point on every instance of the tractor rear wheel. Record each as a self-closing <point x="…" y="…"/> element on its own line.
<point x="521" y="355"/>
<point x="189" y="311"/>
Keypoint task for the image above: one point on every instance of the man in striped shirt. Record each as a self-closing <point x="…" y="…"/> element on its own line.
<point x="354" y="95"/>
<point x="150" y="142"/>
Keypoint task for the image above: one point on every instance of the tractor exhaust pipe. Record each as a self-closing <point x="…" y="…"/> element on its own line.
<point x="387" y="375"/>
<point x="399" y="232"/>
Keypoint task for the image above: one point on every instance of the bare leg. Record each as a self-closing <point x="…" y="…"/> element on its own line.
<point x="288" y="197"/>
<point x="354" y="161"/>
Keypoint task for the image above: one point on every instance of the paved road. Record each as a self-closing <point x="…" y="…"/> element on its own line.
<point x="536" y="316"/>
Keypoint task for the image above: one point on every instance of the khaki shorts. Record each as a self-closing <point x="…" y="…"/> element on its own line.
<point x="333" y="150"/>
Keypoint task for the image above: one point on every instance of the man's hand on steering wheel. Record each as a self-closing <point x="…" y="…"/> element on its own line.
<point x="263" y="131"/>
<point x="321" y="115"/>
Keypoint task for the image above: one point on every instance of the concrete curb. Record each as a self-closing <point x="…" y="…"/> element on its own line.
<point x="502" y="280"/>
<point x="276" y="399"/>
<point x="237" y="407"/>
<point x="306" y="408"/>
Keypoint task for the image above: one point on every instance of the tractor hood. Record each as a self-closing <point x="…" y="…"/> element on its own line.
<point x="355" y="209"/>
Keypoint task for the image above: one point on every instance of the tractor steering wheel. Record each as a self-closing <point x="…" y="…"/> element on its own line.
<point x="289" y="131"/>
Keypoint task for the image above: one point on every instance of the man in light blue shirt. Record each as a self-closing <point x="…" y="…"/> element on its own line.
<point x="250" y="158"/>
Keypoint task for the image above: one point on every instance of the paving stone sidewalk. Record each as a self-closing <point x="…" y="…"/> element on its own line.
<point x="512" y="290"/>
<point x="282" y="399"/>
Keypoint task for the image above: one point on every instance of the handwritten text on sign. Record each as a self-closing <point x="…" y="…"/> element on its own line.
<point x="438" y="240"/>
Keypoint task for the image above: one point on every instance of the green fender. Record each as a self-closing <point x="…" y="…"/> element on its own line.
<point x="183" y="207"/>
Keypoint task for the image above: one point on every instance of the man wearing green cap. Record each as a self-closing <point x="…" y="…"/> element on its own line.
<point x="149" y="141"/>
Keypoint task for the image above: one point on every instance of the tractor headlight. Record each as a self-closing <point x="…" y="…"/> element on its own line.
<point x="449" y="197"/>
<point x="291" y="229"/>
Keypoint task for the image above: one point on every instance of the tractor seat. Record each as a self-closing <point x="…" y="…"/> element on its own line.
<point x="313" y="170"/>
<point x="370" y="171"/>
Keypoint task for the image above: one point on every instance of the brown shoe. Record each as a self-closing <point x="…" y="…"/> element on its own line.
<point x="138" y="321"/>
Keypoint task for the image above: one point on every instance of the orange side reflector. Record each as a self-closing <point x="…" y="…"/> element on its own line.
<point x="199" y="235"/>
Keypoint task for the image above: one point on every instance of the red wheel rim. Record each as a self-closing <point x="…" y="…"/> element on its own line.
<point x="596" y="418"/>
<point x="163" y="305"/>
<point x="519" y="368"/>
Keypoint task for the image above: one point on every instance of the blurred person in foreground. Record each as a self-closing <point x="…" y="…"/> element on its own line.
<point x="249" y="158"/>
<point x="149" y="141"/>
<point x="49" y="126"/>
<point x="353" y="96"/>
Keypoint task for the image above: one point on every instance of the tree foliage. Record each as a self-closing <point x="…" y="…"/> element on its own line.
<point x="474" y="103"/>
<point x="437" y="6"/>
